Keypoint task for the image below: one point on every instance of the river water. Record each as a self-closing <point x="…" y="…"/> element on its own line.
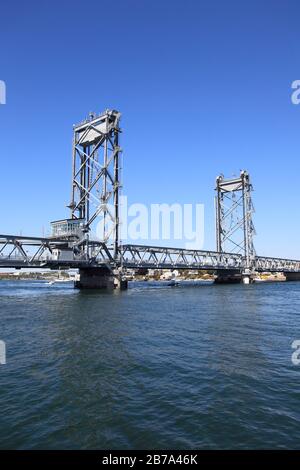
<point x="151" y="367"/>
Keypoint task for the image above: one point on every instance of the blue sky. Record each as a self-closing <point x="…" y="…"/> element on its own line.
<point x="204" y="88"/>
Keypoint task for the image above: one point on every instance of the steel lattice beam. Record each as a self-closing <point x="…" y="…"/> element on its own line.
<point x="95" y="195"/>
<point x="34" y="252"/>
<point x="96" y="176"/>
<point x="234" y="225"/>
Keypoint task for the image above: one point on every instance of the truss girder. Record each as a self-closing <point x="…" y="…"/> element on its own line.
<point x="37" y="252"/>
<point x="96" y="176"/>
<point x="234" y="209"/>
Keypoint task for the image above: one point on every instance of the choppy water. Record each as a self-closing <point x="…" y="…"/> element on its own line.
<point x="202" y="367"/>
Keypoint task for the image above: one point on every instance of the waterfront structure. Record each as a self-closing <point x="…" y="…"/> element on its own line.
<point x="101" y="261"/>
<point x="234" y="225"/>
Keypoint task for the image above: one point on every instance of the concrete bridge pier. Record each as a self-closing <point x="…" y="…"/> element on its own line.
<point x="248" y="276"/>
<point x="121" y="283"/>
<point x="99" y="278"/>
<point x="246" y="279"/>
<point x="291" y="276"/>
<point x="228" y="277"/>
<point x="95" y="278"/>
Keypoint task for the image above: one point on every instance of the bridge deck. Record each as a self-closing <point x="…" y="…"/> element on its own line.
<point x="37" y="252"/>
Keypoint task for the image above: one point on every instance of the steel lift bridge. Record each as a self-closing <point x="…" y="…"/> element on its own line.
<point x="101" y="260"/>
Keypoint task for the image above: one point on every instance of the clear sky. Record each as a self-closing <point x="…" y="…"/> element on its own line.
<point x="204" y="88"/>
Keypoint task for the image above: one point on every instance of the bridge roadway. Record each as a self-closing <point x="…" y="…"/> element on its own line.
<point x="41" y="252"/>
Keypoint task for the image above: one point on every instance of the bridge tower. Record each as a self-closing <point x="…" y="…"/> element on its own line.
<point x="234" y="226"/>
<point x="96" y="178"/>
<point x="95" y="194"/>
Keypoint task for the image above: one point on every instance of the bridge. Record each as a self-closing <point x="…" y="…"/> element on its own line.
<point x="101" y="262"/>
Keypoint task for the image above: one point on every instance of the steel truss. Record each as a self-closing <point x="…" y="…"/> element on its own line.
<point x="95" y="194"/>
<point x="29" y="249"/>
<point x="96" y="176"/>
<point x="268" y="264"/>
<point x="176" y="258"/>
<point x="234" y="209"/>
<point x="28" y="252"/>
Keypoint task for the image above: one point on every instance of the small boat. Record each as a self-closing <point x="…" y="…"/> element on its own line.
<point x="56" y="281"/>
